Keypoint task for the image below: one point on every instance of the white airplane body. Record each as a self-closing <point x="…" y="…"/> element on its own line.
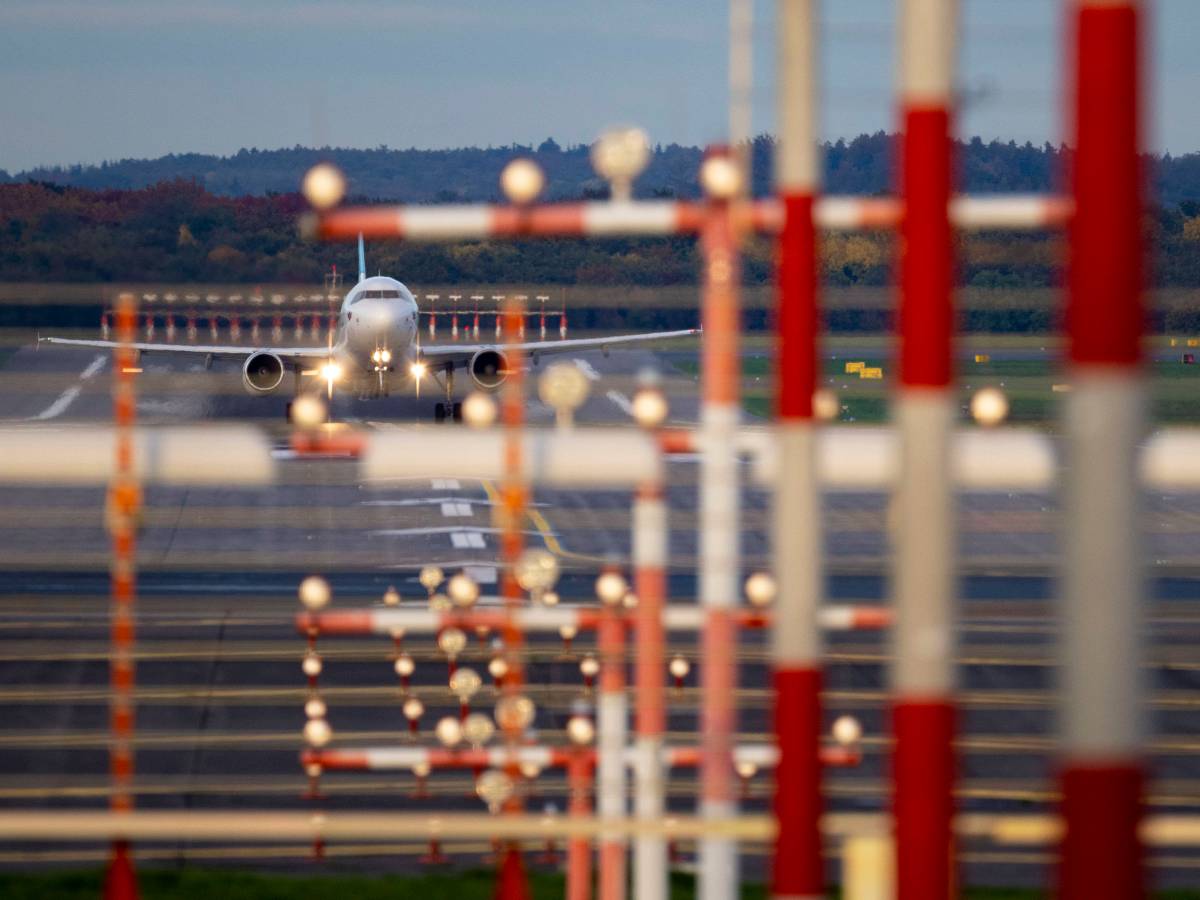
<point x="377" y="338"/>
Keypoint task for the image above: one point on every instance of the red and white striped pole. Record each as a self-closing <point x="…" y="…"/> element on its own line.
<point x="650" y="871"/>
<point x="124" y="502"/>
<point x="797" y="867"/>
<point x="922" y="674"/>
<point x="579" y="848"/>
<point x="1101" y="778"/>
<point x="720" y="506"/>
<point x="612" y="715"/>
<point x="514" y="491"/>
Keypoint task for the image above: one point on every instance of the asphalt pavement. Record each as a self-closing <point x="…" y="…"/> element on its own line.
<point x="220" y="691"/>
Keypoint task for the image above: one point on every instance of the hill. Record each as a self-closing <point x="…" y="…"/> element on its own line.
<point x="469" y="174"/>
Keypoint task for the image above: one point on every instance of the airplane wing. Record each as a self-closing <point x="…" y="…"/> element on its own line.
<point x="460" y="354"/>
<point x="219" y="351"/>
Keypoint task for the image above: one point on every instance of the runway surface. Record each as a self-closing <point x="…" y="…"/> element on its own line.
<point x="219" y="684"/>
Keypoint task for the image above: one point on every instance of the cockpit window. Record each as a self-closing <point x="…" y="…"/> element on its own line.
<point x="376" y="295"/>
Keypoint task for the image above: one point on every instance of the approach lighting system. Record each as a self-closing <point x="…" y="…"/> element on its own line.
<point x="479" y="410"/>
<point x="619" y="156"/>
<point x="611" y="587"/>
<point x="314" y="593"/>
<point x="324" y="186"/>
<point x="760" y="589"/>
<point x="989" y="406"/>
<point x="721" y="177"/>
<point x="522" y="180"/>
<point x="847" y="731"/>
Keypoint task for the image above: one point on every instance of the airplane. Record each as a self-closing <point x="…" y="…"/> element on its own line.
<point x="377" y="338"/>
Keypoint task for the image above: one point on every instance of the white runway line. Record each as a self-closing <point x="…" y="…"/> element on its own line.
<point x="621" y="401"/>
<point x="587" y="369"/>
<point x="456" y="509"/>
<point x="93" y="367"/>
<point x="464" y="539"/>
<point x="446" y="484"/>
<point x="481" y="574"/>
<point x="67" y="397"/>
<point x="437" y="529"/>
<point x="59" y="406"/>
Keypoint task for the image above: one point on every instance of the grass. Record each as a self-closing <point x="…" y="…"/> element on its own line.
<point x="1029" y="385"/>
<point x="206" y="884"/>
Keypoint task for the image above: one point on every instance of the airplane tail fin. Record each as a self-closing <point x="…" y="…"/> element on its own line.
<point x="362" y="259"/>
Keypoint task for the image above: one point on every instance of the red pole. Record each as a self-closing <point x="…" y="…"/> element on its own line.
<point x="579" y="851"/>
<point x="124" y="502"/>
<point x="923" y="716"/>
<point x="1102" y="774"/>
<point x="797" y="867"/>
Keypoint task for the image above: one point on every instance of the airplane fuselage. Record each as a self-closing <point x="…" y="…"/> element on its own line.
<point x="377" y="327"/>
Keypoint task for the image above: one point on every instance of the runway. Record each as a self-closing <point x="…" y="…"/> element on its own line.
<point x="220" y="690"/>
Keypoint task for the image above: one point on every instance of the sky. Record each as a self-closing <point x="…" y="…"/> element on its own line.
<point x="82" y="81"/>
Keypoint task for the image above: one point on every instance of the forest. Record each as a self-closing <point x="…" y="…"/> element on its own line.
<point x="206" y="219"/>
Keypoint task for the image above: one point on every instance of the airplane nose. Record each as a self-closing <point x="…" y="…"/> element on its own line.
<point x="373" y="315"/>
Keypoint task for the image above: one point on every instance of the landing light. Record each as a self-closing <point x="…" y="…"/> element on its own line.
<point x="381" y="356"/>
<point x="331" y="371"/>
<point x="417" y="370"/>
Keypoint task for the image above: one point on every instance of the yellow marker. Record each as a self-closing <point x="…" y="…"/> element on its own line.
<point x="129" y="370"/>
<point x="1174" y="342"/>
<point x="875" y="373"/>
<point x="852" y="367"/>
<point x="1194" y="342"/>
<point x="982" y="358"/>
<point x="1061" y="389"/>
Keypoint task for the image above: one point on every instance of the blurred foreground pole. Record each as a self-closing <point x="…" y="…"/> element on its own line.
<point x="512" y="883"/>
<point x="720" y="535"/>
<point x="649" y="582"/>
<point x="797" y="870"/>
<point x="124" y="503"/>
<point x="922" y="677"/>
<point x="1101" y="779"/>
<point x="612" y="732"/>
<point x="579" y="847"/>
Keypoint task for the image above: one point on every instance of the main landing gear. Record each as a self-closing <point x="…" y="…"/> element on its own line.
<point x="449" y="409"/>
<point x="444" y="411"/>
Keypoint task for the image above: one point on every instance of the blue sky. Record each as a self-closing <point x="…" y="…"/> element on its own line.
<point x="88" y="80"/>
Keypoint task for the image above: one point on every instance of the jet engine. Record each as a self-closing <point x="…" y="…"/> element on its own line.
<point x="488" y="369"/>
<point x="262" y="373"/>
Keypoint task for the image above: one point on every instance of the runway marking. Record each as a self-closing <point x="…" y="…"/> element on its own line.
<point x="93" y="367"/>
<point x="587" y="369"/>
<point x="59" y="406"/>
<point x="410" y="501"/>
<point x="543" y="529"/>
<point x="467" y="539"/>
<point x="456" y="509"/>
<point x="436" y="529"/>
<point x="621" y="401"/>
<point x="481" y="574"/>
<point x="67" y="397"/>
<point x="446" y="484"/>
